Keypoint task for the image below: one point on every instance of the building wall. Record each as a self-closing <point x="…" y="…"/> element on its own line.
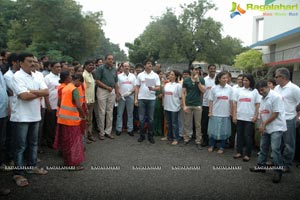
<point x="275" y="25"/>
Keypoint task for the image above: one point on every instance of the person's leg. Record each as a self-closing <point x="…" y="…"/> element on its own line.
<point x="142" y="110"/>
<point x="33" y="143"/>
<point x="101" y="100"/>
<point x="289" y="143"/>
<point x="187" y="125"/>
<point x="168" y="115"/>
<point x="20" y="138"/>
<point x="121" y="107"/>
<point x="197" y="117"/>
<point x="264" y="149"/>
<point x="129" y="108"/>
<point x="89" y="121"/>
<point x="150" y="109"/>
<point x="174" y="117"/>
<point x="249" y="130"/>
<point x="109" y="113"/>
<point x="240" y="129"/>
<point x="204" y="125"/>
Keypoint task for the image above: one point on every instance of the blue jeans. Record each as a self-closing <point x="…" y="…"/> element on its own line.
<point x="275" y="140"/>
<point x="245" y="131"/>
<point x="26" y="133"/>
<point x="129" y="103"/>
<point x="172" y="124"/>
<point x="212" y="143"/>
<point x="289" y="143"/>
<point x="146" y="109"/>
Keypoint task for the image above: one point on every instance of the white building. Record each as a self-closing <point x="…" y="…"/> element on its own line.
<point x="281" y="35"/>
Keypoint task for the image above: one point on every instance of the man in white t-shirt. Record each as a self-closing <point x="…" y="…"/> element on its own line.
<point x="209" y="83"/>
<point x="272" y="127"/>
<point x="291" y="98"/>
<point x="147" y="83"/>
<point x="26" y="115"/>
<point x="126" y="81"/>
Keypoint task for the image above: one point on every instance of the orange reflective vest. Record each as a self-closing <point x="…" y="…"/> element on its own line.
<point x="59" y="92"/>
<point x="68" y="113"/>
<point x="81" y="90"/>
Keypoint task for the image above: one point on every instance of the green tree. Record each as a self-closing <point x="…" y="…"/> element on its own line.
<point x="249" y="60"/>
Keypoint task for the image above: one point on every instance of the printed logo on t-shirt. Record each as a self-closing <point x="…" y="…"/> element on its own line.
<point x="168" y="93"/>
<point x="265" y="112"/>
<point x="127" y="82"/>
<point x="222" y="98"/>
<point x="245" y="100"/>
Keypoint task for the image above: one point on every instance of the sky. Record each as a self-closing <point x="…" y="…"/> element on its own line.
<point x="127" y="19"/>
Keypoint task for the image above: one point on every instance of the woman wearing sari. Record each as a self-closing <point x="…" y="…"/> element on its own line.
<point x="69" y="118"/>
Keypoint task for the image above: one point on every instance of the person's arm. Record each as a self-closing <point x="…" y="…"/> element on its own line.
<point x="263" y="124"/>
<point x="47" y="103"/>
<point x="117" y="91"/>
<point x="210" y="113"/>
<point x="201" y="86"/>
<point x="104" y="86"/>
<point x="183" y="97"/>
<point x="76" y="100"/>
<point x="254" y="119"/>
<point x="234" y="112"/>
<point x="137" y="89"/>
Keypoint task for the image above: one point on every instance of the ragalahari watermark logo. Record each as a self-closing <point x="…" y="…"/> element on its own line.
<point x="236" y="10"/>
<point x="268" y="10"/>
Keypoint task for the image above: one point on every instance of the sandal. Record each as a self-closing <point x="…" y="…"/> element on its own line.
<point x="246" y="159"/>
<point x="39" y="171"/>
<point x="79" y="168"/>
<point x="210" y="149"/>
<point x="220" y="151"/>
<point x="21" y="181"/>
<point x="238" y="155"/>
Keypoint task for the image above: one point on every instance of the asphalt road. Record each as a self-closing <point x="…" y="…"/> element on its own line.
<point x="125" y="169"/>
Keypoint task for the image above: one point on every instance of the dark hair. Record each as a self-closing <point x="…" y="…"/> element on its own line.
<point x="109" y="54"/>
<point x="75" y="63"/>
<point x="272" y="80"/>
<point x="211" y="65"/>
<point x="177" y="75"/>
<point x="139" y="65"/>
<point x="63" y="76"/>
<point x="77" y="77"/>
<point x="48" y="63"/>
<point x="186" y="71"/>
<point x="98" y="59"/>
<point x="261" y="84"/>
<point x="52" y="63"/>
<point x="13" y="57"/>
<point x="219" y="75"/>
<point x="23" y="56"/>
<point x="251" y="80"/>
<point x="158" y="72"/>
<point x="148" y="60"/>
<point x="284" y="72"/>
<point x="42" y="57"/>
<point x="87" y="63"/>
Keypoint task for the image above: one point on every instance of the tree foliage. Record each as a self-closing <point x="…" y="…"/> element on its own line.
<point x="186" y="38"/>
<point x="249" y="60"/>
<point x="43" y="26"/>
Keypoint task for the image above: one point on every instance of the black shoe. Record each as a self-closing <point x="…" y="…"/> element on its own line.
<point x="118" y="133"/>
<point x="130" y="133"/>
<point x="151" y="140"/>
<point x="277" y="177"/>
<point x="199" y="146"/>
<point x="204" y="144"/>
<point x="141" y="139"/>
<point x="257" y="169"/>
<point x="4" y="192"/>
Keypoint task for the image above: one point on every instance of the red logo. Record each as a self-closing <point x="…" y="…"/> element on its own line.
<point x="265" y="112"/>
<point x="222" y="98"/>
<point x="126" y="82"/>
<point x="245" y="100"/>
<point x="168" y="93"/>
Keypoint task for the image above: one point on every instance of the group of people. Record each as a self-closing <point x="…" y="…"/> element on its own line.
<point x="63" y="106"/>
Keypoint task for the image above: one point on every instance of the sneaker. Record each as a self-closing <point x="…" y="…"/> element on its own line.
<point x="141" y="139"/>
<point x="276" y="177"/>
<point x="174" y="142"/>
<point x="199" y="146"/>
<point x="151" y="140"/>
<point x="130" y="133"/>
<point x="164" y="139"/>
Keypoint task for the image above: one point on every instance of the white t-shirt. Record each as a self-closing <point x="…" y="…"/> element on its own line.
<point x="126" y="82"/>
<point x="246" y="100"/>
<point x="209" y="83"/>
<point x="291" y="98"/>
<point x="172" y="95"/>
<point x="221" y="97"/>
<point x="52" y="82"/>
<point x="26" y="111"/>
<point x="144" y="92"/>
<point x="273" y="102"/>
